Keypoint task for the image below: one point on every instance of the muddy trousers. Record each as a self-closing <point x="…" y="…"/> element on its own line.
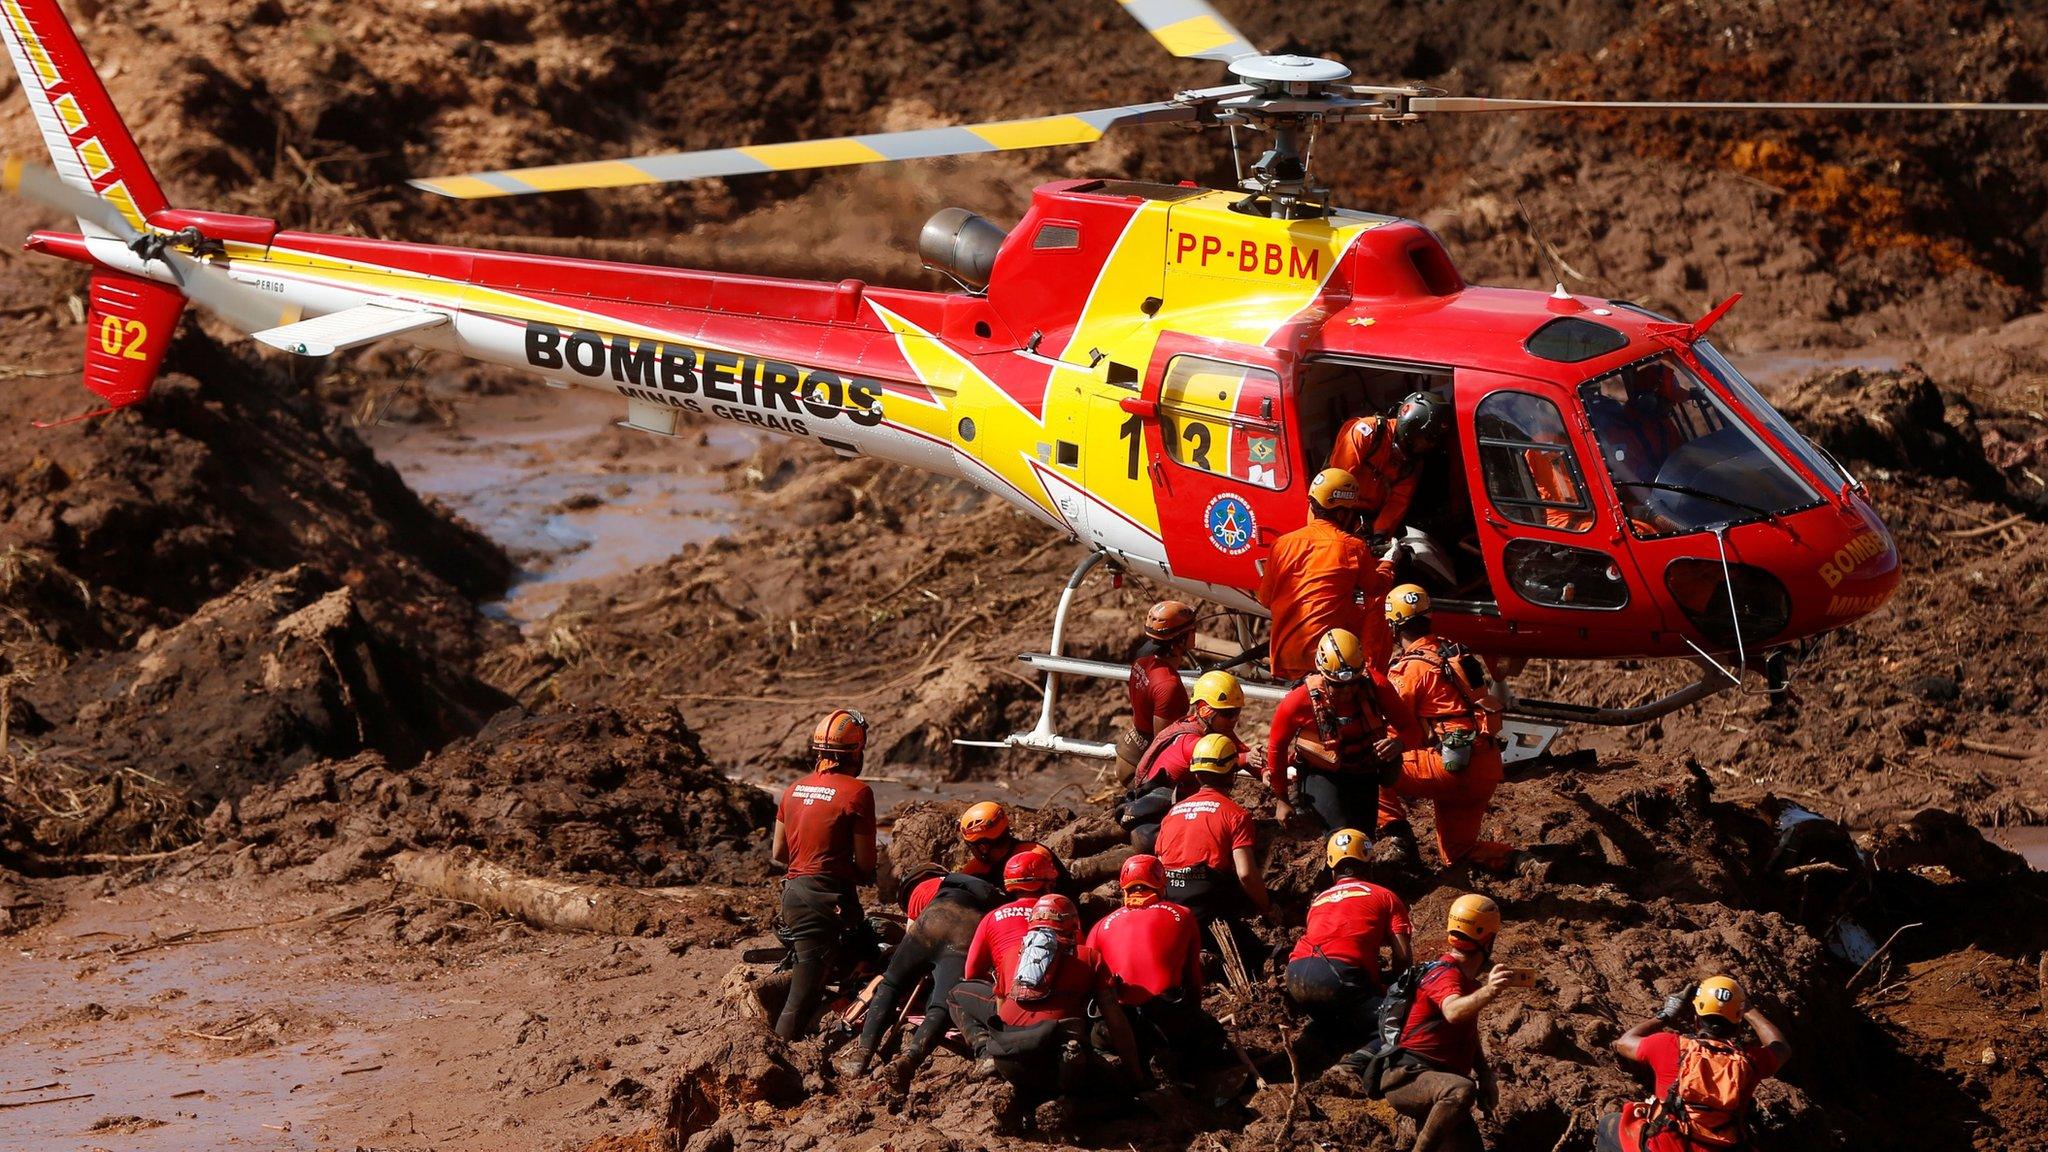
<point x="1054" y="1057"/>
<point x="1341" y="799"/>
<point x="1460" y="798"/>
<point x="1142" y="814"/>
<point x="1440" y="1103"/>
<point x="817" y="914"/>
<point x="1340" y="1000"/>
<point x="1186" y="1040"/>
<point x="935" y="945"/>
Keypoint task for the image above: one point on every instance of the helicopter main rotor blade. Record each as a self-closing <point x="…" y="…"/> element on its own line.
<point x="1492" y="104"/>
<point x="918" y="144"/>
<point x="238" y="304"/>
<point x="1190" y="29"/>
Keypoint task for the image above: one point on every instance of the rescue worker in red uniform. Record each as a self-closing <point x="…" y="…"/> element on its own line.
<point x="1342" y="732"/>
<point x="1158" y="698"/>
<point x="1334" y="974"/>
<point x="1706" y="1071"/>
<point x="1031" y="1026"/>
<point x="1392" y="451"/>
<point x="1161" y="775"/>
<point x="1441" y="1071"/>
<point x="824" y="840"/>
<point x="1209" y="846"/>
<point x="1458" y="765"/>
<point x="1323" y="575"/>
<point x="985" y="831"/>
<point x="1154" y="947"/>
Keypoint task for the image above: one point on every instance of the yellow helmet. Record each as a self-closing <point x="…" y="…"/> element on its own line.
<point x="1348" y="844"/>
<point x="1214" y="753"/>
<point x="1475" y="918"/>
<point x="1405" y="603"/>
<point x="1335" y="488"/>
<point x="1719" y="996"/>
<point x="1218" y="690"/>
<point x="1340" y="655"/>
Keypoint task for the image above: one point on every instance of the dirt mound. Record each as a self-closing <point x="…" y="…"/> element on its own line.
<point x="626" y="795"/>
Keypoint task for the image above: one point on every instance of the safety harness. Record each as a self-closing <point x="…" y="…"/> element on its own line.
<point x="1709" y="1098"/>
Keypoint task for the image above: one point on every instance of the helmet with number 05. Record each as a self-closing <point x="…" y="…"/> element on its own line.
<point x="1405" y="603"/>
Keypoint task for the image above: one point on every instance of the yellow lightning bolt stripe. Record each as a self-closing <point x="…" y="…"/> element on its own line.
<point x="1006" y="436"/>
<point x="813" y="154"/>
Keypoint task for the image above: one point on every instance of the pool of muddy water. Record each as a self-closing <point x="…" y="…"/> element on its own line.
<point x="540" y="473"/>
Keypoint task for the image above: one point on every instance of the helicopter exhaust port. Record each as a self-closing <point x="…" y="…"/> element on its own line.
<point x="962" y="245"/>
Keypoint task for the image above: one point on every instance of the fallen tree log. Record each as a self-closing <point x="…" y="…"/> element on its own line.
<point x="605" y="909"/>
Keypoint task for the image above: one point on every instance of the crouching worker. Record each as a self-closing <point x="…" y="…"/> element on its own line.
<point x="941" y="930"/>
<point x="1438" y="1071"/>
<point x="1209" y="845"/>
<point x="1158" y="698"/>
<point x="1032" y="1026"/>
<point x="991" y="845"/>
<point x="1161" y="775"/>
<point x="1459" y="764"/>
<point x="1706" y="1071"/>
<point x="825" y="840"/>
<point x="1154" y="947"/>
<point x="1334" y="974"/>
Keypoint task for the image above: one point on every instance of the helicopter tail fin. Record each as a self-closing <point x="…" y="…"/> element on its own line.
<point x="90" y="147"/>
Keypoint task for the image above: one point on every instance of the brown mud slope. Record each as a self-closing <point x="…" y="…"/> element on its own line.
<point x="1637" y="880"/>
<point x="209" y="591"/>
<point x="1901" y="225"/>
<point x="621" y="796"/>
<point x="1935" y="699"/>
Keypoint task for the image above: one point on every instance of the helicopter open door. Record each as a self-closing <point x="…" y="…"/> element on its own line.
<point x="1219" y="458"/>
<point x="1555" y="556"/>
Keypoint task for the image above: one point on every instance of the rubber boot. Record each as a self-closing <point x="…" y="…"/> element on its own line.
<point x="806" y="982"/>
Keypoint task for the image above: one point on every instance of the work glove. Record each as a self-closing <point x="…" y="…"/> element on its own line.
<point x="1677" y="1009"/>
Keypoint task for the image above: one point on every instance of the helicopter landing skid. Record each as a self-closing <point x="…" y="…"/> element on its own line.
<point x="1042" y="738"/>
<point x="1713" y="679"/>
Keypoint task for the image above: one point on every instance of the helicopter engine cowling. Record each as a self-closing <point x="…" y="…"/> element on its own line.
<point x="962" y="245"/>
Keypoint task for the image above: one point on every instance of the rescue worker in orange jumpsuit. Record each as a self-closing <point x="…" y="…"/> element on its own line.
<point x="1391" y="450"/>
<point x="1342" y="731"/>
<point x="1459" y="763"/>
<point x="1154" y="947"/>
<point x="824" y="841"/>
<point x="1322" y="576"/>
<point x="1161" y="774"/>
<point x="1706" y="1070"/>
<point x="1158" y="698"/>
<point x="1210" y="847"/>
<point x="985" y="830"/>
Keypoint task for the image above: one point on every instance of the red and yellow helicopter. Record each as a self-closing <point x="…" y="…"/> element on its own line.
<point x="1157" y="369"/>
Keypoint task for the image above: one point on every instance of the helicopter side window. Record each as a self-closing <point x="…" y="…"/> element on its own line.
<point x="1680" y="459"/>
<point x="1220" y="418"/>
<point x="1531" y="474"/>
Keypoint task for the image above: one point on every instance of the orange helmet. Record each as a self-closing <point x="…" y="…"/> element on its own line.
<point x="1473" y="922"/>
<point x="1058" y="913"/>
<point x="841" y="735"/>
<point x="1030" y="871"/>
<point x="984" y="821"/>
<point x="1169" y="620"/>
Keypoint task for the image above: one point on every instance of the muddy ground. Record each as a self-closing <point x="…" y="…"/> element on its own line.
<point x="278" y="626"/>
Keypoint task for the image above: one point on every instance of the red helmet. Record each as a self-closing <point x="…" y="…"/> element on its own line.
<point x="1142" y="872"/>
<point x="984" y="821"/>
<point x="1058" y="913"/>
<point x="1029" y="871"/>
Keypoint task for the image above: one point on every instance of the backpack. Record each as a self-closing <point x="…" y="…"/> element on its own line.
<point x="1383" y="1044"/>
<point x="1709" y="1098"/>
<point x="1038" y="961"/>
<point x="1467" y="675"/>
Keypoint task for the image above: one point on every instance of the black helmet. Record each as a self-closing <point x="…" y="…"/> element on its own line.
<point x="1420" y="423"/>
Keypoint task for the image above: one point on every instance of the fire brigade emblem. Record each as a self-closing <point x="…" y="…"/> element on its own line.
<point x="1231" y="525"/>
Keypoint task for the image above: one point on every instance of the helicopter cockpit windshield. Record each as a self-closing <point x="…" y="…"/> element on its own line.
<point x="1680" y="459"/>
